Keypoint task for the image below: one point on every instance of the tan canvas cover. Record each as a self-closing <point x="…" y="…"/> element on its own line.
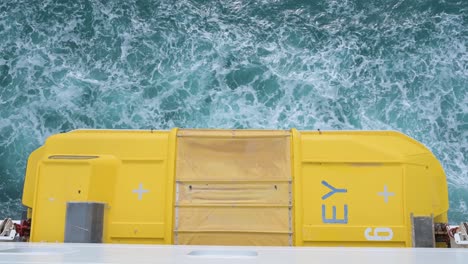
<point x="234" y="239"/>
<point x="234" y="193"/>
<point x="233" y="188"/>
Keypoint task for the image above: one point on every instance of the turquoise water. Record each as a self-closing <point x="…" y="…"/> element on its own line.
<point x="336" y="64"/>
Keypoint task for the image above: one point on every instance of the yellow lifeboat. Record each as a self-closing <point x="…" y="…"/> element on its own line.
<point x="236" y="187"/>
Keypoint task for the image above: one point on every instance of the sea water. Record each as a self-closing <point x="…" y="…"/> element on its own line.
<point x="332" y="64"/>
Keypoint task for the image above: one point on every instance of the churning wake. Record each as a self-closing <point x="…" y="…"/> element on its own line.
<point x="337" y="64"/>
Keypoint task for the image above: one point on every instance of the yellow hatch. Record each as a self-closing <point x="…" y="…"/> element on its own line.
<point x="236" y="187"/>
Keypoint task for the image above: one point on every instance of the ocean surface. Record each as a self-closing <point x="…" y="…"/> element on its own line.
<point x="334" y="64"/>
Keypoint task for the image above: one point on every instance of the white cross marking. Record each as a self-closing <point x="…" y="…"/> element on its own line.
<point x="386" y="194"/>
<point x="140" y="191"/>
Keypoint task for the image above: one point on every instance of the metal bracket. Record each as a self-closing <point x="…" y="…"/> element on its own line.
<point x="461" y="237"/>
<point x="423" y="231"/>
<point x="7" y="230"/>
<point x="84" y="222"/>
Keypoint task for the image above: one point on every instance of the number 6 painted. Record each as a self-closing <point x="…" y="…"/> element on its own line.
<point x="379" y="230"/>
